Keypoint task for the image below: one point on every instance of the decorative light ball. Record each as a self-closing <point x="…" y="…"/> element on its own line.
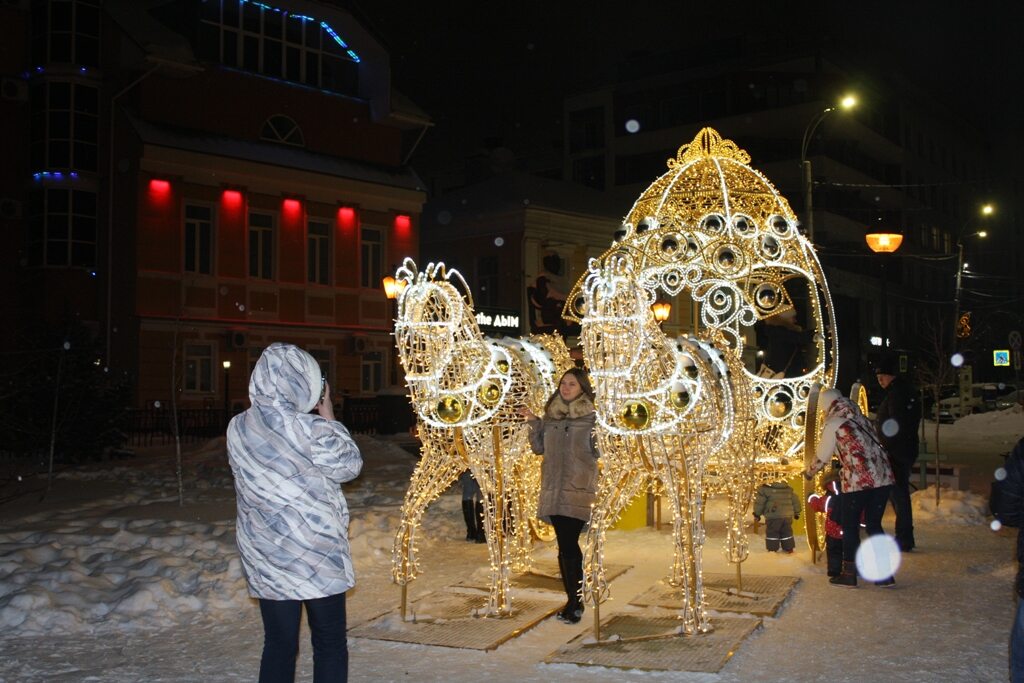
<point x="742" y="225"/>
<point x="770" y="247"/>
<point x="450" y="410"/>
<point x="712" y="223"/>
<point x="689" y="367"/>
<point x="670" y="245"/>
<point x="636" y="415"/>
<point x="726" y="258"/>
<point x="779" y="224"/>
<point x="489" y="394"/>
<point x="779" y="405"/>
<point x="767" y="296"/>
<point x="800" y="418"/>
<point x="679" y="398"/>
<point x="503" y="365"/>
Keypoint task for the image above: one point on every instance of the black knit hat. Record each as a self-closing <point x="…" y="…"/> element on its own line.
<point x="887" y="365"/>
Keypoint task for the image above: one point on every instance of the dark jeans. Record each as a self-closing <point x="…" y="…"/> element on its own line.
<point x="326" y="618"/>
<point x="570" y="557"/>
<point x="870" y="502"/>
<point x="901" y="504"/>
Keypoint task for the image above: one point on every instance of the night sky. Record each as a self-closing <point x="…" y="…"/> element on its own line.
<point x="494" y="73"/>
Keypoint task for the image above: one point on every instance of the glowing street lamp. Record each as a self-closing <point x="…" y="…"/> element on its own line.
<point x="661" y="309"/>
<point x="986" y="210"/>
<point x="846" y="103"/>
<point x="884" y="243"/>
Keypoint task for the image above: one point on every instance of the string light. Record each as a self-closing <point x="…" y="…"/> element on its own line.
<point x="718" y="229"/>
<point x="466" y="391"/>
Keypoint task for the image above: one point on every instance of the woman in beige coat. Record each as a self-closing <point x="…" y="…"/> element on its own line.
<point x="565" y="437"/>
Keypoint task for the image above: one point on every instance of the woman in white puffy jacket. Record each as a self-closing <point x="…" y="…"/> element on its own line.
<point x="865" y="476"/>
<point x="292" y="529"/>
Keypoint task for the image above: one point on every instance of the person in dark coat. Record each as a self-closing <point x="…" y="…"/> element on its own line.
<point x="1007" y="502"/>
<point x="568" y="477"/>
<point x="897" y="422"/>
<point x="780" y="505"/>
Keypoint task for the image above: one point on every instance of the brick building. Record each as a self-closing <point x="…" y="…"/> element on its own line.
<point x="204" y="178"/>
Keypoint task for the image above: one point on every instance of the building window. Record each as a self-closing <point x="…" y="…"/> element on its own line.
<point x="586" y="129"/>
<point x="198" y="239"/>
<point x="261" y="246"/>
<point x="254" y="356"/>
<point x="487" y="280"/>
<point x="371" y="251"/>
<point x="63" y="228"/>
<point x="198" y="367"/>
<point x="64" y="134"/>
<point x="318" y="252"/>
<point x="323" y="359"/>
<point x="283" y="129"/>
<point x="66" y="31"/>
<point x="589" y="171"/>
<point x="371" y="372"/>
<point x="265" y="40"/>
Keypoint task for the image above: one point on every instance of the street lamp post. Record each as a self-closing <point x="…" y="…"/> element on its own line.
<point x="884" y="243"/>
<point x="986" y="210"/>
<point x="848" y="102"/>
<point x="227" y="390"/>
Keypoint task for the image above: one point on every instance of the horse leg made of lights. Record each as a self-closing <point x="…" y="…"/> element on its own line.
<point x="466" y="391"/>
<point x="663" y="409"/>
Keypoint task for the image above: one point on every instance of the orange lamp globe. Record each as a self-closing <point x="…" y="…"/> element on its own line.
<point x="884" y="242"/>
<point x="661" y="309"/>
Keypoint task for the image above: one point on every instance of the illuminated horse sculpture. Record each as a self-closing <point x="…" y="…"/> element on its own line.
<point x="715" y="232"/>
<point x="466" y="391"/>
<point x="666" y="410"/>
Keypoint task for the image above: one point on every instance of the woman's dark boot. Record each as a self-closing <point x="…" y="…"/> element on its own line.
<point x="848" y="577"/>
<point x="573" y="610"/>
<point x="469" y="514"/>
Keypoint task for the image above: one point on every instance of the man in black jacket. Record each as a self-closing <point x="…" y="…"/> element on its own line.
<point x="897" y="423"/>
<point x="1007" y="503"/>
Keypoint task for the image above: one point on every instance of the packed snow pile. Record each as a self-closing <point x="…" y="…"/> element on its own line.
<point x="89" y="577"/>
<point x="955" y="507"/>
<point x="1004" y="427"/>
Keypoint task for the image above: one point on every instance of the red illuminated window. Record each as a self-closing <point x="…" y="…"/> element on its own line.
<point x="402" y="224"/>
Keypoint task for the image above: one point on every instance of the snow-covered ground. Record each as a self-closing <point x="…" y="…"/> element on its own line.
<point x="108" y="579"/>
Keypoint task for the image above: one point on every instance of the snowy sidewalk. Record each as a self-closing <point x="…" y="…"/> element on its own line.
<point x="126" y="587"/>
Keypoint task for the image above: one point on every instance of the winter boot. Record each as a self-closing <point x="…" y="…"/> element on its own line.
<point x="481" y="530"/>
<point x="469" y="514"/>
<point x="573" y="610"/>
<point x="848" y="577"/>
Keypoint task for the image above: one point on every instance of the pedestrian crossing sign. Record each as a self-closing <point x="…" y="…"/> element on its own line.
<point x="1001" y="358"/>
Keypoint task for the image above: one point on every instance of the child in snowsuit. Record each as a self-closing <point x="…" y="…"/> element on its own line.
<point x="472" y="508"/>
<point x="779" y="505"/>
<point x="828" y="504"/>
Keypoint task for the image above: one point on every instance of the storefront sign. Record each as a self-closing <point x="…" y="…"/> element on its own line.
<point x="499" y="321"/>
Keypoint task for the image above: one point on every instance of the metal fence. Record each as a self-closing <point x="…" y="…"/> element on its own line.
<point x="155" y="426"/>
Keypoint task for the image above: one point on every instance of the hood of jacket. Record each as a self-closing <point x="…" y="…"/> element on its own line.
<point x="285" y="377"/>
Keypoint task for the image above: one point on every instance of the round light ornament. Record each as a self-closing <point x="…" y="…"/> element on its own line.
<point x="779" y="405"/>
<point x="450" y="410"/>
<point x="489" y="394"/>
<point x="635" y="415"/>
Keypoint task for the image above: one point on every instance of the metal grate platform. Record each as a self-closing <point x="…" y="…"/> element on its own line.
<point x="452" y="619"/>
<point x="761" y="595"/>
<point x="543" y="576"/>
<point x="647" y="642"/>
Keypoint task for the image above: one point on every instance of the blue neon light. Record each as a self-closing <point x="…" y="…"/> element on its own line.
<point x="54" y="175"/>
<point x="323" y="24"/>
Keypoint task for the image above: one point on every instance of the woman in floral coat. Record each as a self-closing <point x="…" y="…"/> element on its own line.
<point x="865" y="477"/>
